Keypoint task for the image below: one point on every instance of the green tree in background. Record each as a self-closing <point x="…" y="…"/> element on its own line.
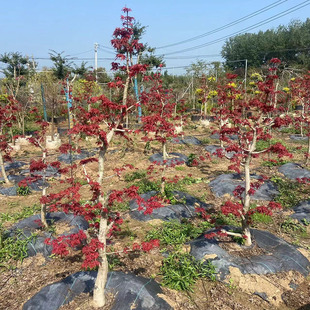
<point x="62" y="64"/>
<point x="17" y="65"/>
<point x="289" y="43"/>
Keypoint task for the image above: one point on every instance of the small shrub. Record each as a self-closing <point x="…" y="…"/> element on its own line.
<point x="191" y="159"/>
<point x="23" y="190"/>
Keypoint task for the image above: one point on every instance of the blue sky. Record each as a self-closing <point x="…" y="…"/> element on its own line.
<point x="34" y="27"/>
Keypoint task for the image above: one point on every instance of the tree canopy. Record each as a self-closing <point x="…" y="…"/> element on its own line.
<point x="288" y="43"/>
<point x="17" y="65"/>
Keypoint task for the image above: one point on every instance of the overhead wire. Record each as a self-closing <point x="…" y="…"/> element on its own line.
<point x="277" y="16"/>
<point x="238" y="21"/>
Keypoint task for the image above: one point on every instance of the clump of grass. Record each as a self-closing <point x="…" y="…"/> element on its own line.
<point x="290" y="192"/>
<point x="135" y="175"/>
<point x="174" y="233"/>
<point x="180" y="271"/>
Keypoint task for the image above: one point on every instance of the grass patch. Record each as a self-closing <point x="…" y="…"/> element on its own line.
<point x="180" y="271"/>
<point x="174" y="233"/>
<point x="24" y="213"/>
<point x="274" y="163"/>
<point x="290" y="192"/>
<point x="135" y="175"/>
<point x="261" y="218"/>
<point x="13" y="248"/>
<point x="262" y="144"/>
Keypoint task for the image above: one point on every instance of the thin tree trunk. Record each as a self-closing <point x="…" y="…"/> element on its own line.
<point x="6" y="180"/>
<point x="53" y="125"/>
<point x="163" y="182"/>
<point x="246" y="203"/>
<point x="23" y="124"/>
<point x="165" y="154"/>
<point x="308" y="152"/>
<point x="101" y="280"/>
<point x="125" y="95"/>
<point x="102" y="151"/>
<point x="43" y="205"/>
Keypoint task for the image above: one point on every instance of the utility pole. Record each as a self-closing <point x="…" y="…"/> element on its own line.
<point x="96" y="60"/>
<point x="245" y="73"/>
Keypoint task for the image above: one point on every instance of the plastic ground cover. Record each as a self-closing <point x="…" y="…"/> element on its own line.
<point x="130" y="292"/>
<point x="293" y="171"/>
<point x="29" y="225"/>
<point x="186" y="140"/>
<point x="280" y="255"/>
<point x="227" y="183"/>
<point x="302" y="212"/>
<point x="173" y="159"/>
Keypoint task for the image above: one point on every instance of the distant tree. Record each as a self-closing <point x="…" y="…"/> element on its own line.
<point x="82" y="70"/>
<point x="198" y="68"/>
<point x="102" y="76"/>
<point x="16" y="64"/>
<point x="18" y="72"/>
<point x="290" y="43"/>
<point x="62" y="64"/>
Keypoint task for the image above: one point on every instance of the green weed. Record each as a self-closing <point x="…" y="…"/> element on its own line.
<point x="135" y="175"/>
<point x="175" y="233"/>
<point x="13" y="248"/>
<point x="292" y="226"/>
<point x="24" y="213"/>
<point x="180" y="271"/>
<point x="23" y="191"/>
<point x="261" y="218"/>
<point x="290" y="192"/>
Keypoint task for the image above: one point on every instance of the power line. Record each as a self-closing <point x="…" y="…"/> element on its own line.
<point x="238" y="21"/>
<point x="277" y="16"/>
<point x="105" y="50"/>
<point x="82" y="53"/>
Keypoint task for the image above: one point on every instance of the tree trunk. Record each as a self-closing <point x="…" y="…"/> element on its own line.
<point x="43" y="209"/>
<point x="23" y="123"/>
<point x="125" y="94"/>
<point x="163" y="181"/>
<point x="308" y="152"/>
<point x="102" y="151"/>
<point x="43" y="205"/>
<point x="53" y="125"/>
<point x="101" y="280"/>
<point x="165" y="154"/>
<point x="6" y="180"/>
<point x="246" y="203"/>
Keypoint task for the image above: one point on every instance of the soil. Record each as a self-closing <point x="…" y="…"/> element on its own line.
<point x="287" y="291"/>
<point x="235" y="249"/>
